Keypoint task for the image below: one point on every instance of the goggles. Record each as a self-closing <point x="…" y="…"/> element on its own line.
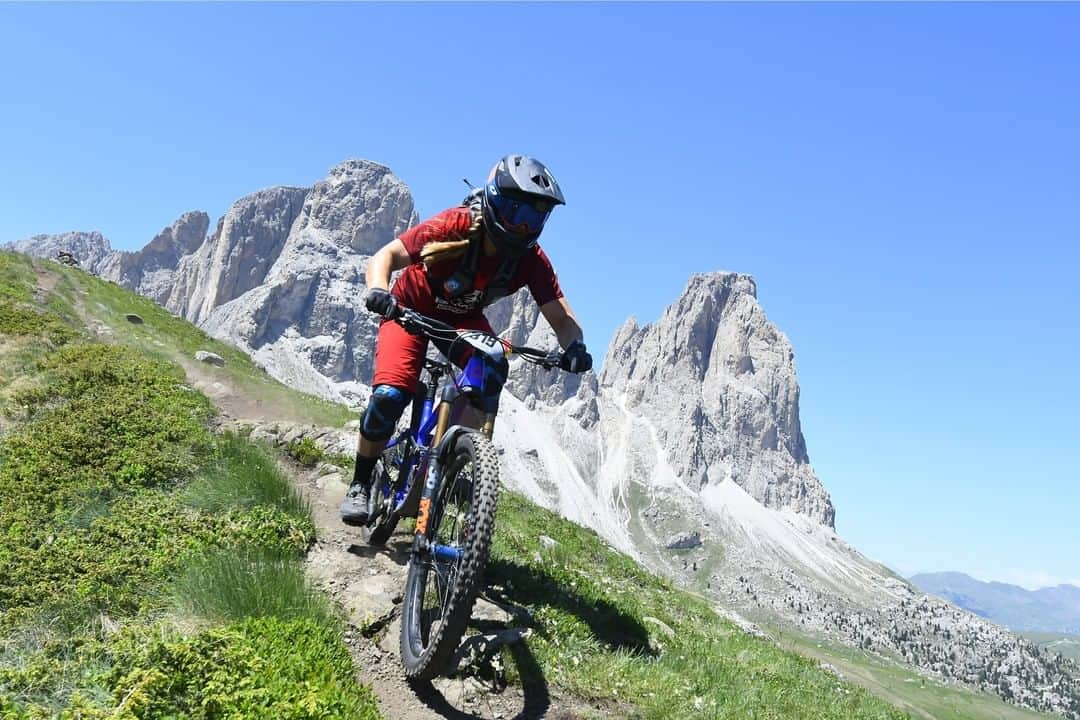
<point x="520" y="215"/>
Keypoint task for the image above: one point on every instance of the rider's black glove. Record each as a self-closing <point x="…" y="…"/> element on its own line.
<point x="381" y="302"/>
<point x="576" y="359"/>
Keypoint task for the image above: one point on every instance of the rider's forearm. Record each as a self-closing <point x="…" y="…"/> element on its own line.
<point x="378" y="270"/>
<point x="562" y="321"/>
<point x="568" y="331"/>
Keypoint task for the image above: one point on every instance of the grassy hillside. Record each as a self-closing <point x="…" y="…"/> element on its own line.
<point x="153" y="569"/>
<point x="606" y="629"/>
<point x="165" y="335"/>
<point x="123" y="593"/>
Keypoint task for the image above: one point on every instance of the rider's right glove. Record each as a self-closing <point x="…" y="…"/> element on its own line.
<point x="381" y="302"/>
<point x="576" y="359"/>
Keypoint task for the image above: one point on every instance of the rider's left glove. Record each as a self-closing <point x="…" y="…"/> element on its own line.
<point x="381" y="302"/>
<point x="576" y="358"/>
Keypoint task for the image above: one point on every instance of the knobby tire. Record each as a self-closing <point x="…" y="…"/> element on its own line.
<point x="425" y="651"/>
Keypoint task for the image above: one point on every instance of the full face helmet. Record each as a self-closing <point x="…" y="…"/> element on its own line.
<point x="519" y="195"/>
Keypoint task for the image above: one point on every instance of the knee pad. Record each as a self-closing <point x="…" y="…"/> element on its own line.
<point x="383" y="411"/>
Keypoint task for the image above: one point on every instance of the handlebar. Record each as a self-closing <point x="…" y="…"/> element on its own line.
<point x="418" y="324"/>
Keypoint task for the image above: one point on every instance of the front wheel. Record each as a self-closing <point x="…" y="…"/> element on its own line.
<point x="442" y="583"/>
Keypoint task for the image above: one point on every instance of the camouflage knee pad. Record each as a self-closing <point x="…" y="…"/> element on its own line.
<point x="383" y="412"/>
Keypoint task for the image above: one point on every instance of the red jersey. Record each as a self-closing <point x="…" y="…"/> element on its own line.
<point x="421" y="288"/>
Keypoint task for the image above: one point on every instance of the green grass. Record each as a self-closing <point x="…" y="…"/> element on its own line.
<point x="244" y="475"/>
<point x="16" y="277"/>
<point x="170" y="336"/>
<point x="110" y="483"/>
<point x="28" y="329"/>
<point x="235" y="583"/>
<point x="606" y="630"/>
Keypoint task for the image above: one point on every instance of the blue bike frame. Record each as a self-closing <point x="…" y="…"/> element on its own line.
<point x="481" y="381"/>
<point x="422" y="437"/>
<point x="469" y="379"/>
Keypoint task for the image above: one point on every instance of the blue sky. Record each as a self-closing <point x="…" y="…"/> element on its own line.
<point x="902" y="180"/>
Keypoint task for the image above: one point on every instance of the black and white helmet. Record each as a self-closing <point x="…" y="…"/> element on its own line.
<point x="519" y="195"/>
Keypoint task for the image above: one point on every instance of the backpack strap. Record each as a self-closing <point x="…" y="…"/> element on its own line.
<point x="499" y="286"/>
<point x="464" y="277"/>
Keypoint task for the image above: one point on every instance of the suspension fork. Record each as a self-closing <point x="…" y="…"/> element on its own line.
<point x="488" y="428"/>
<point x="433" y="482"/>
<point x="433" y="479"/>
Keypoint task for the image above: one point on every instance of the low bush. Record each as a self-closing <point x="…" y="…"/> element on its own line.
<point x="117" y="504"/>
<point x="264" y="667"/>
<point x="305" y="452"/>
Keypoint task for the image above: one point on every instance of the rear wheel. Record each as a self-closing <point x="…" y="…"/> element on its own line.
<point x="441" y="589"/>
<point x="388" y="481"/>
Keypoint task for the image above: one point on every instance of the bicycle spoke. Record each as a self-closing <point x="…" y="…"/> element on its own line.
<point x="445" y="578"/>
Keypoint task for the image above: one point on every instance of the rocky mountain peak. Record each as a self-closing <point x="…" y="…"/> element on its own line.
<point x="180" y="238"/>
<point x="149" y="271"/>
<point x="89" y="248"/>
<point x="717" y="380"/>
<point x="248" y="239"/>
<point x="358" y="206"/>
<point x="302" y="317"/>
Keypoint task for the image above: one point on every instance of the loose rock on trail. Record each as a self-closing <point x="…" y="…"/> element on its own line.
<point x="367" y="583"/>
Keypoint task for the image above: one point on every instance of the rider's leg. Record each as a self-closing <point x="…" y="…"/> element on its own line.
<point x="398" y="359"/>
<point x="380" y="419"/>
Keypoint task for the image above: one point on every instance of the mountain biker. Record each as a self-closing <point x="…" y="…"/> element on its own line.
<point x="455" y="264"/>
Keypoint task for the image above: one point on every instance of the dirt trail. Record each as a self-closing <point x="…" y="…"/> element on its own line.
<point x="366" y="582"/>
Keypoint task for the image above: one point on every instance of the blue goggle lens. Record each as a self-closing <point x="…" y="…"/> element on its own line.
<point x="526" y="217"/>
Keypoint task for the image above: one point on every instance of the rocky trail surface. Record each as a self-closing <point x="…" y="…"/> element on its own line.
<point x="367" y="582"/>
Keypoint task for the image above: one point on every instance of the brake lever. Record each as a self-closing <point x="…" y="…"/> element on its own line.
<point x="410" y="323"/>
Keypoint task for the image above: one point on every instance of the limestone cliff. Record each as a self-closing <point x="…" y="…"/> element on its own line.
<point x="717" y="380"/>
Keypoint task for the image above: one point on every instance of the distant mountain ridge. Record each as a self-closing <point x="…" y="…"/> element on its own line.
<point x="1051" y="609"/>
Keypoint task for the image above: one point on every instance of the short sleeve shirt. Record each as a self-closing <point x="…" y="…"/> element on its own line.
<point x="421" y="288"/>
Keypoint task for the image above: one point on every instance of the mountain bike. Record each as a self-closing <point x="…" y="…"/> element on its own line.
<point x="445" y="474"/>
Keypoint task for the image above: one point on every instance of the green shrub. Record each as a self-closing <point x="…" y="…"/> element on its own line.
<point x="306" y="452"/>
<point x="91" y="523"/>
<point x="99" y="515"/>
<point x="105" y="422"/>
<point x="17" y="319"/>
<point x="265" y="667"/>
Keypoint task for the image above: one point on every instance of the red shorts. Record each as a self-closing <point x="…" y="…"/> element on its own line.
<point x="399" y="356"/>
